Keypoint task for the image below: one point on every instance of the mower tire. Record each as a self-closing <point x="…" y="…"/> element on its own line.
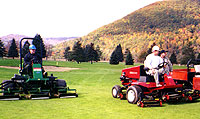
<point x="8" y="85"/>
<point x="133" y="94"/>
<point x="61" y="83"/>
<point x="116" y="90"/>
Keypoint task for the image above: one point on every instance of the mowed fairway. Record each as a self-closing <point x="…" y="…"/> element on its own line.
<point x="93" y="83"/>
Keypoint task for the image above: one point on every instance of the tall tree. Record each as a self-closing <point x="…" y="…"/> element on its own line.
<point x="187" y="53"/>
<point x="90" y="53"/>
<point x="114" y="58"/>
<point x="25" y="48"/>
<point x="13" y="52"/>
<point x="173" y="58"/>
<point x="119" y="53"/>
<point x="78" y="52"/>
<point x="129" y="59"/>
<point x="2" y="49"/>
<point x="67" y="53"/>
<point x="39" y="44"/>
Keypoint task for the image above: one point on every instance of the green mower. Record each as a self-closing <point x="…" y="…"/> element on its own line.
<point x="34" y="85"/>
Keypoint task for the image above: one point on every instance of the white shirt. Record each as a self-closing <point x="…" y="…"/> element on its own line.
<point x="152" y="61"/>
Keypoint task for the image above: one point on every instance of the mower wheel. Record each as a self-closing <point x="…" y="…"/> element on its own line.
<point x="116" y="90"/>
<point x="61" y="83"/>
<point x="133" y="94"/>
<point x="7" y="85"/>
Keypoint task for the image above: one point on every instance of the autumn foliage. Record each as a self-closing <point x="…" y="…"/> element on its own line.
<point x="171" y="24"/>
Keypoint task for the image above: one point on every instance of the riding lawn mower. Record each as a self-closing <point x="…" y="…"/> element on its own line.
<point x="140" y="88"/>
<point x="35" y="86"/>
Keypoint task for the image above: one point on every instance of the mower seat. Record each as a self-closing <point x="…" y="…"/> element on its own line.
<point x="144" y="77"/>
<point x="18" y="77"/>
<point x="150" y="78"/>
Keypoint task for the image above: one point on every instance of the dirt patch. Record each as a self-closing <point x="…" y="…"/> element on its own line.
<point x="53" y="68"/>
<point x="47" y="68"/>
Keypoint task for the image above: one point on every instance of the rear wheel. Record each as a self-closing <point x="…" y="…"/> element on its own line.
<point x="8" y="85"/>
<point x="116" y="90"/>
<point x="133" y="94"/>
<point x="61" y="83"/>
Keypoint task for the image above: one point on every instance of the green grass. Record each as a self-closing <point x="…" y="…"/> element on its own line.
<point x="93" y="83"/>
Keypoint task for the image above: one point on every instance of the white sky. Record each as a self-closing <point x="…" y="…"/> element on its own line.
<point x="62" y="18"/>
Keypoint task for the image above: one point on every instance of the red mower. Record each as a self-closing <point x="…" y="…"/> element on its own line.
<point x="140" y="88"/>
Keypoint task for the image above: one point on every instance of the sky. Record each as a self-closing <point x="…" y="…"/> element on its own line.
<point x="62" y="18"/>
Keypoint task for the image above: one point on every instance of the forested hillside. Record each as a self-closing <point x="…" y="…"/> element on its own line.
<point x="171" y="24"/>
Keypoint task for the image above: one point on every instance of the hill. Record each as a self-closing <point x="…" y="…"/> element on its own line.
<point x="171" y="24"/>
<point x="53" y="41"/>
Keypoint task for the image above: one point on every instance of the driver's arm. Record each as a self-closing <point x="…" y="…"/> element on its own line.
<point x="27" y="60"/>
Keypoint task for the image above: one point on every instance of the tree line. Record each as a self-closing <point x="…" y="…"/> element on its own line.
<point x="13" y="49"/>
<point x="117" y="55"/>
<point x="83" y="54"/>
<point x="78" y="53"/>
<point x="90" y="53"/>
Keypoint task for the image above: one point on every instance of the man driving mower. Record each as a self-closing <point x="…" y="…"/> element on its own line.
<point x="30" y="58"/>
<point x="152" y="62"/>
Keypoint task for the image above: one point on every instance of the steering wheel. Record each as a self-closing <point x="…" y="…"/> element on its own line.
<point x="161" y="65"/>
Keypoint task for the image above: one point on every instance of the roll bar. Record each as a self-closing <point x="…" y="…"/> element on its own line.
<point x="20" y="47"/>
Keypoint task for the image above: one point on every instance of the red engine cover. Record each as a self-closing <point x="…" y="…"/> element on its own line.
<point x="133" y="72"/>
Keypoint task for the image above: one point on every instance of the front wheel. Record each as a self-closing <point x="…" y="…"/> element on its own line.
<point x="116" y="90"/>
<point x="133" y="94"/>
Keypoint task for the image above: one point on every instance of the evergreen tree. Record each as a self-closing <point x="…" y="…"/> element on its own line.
<point x="13" y="52"/>
<point x="114" y="58"/>
<point x="187" y="53"/>
<point x="78" y="52"/>
<point x="25" y="48"/>
<point x="87" y="52"/>
<point x="129" y="59"/>
<point x="119" y="53"/>
<point x="2" y="49"/>
<point x="39" y="44"/>
<point x="66" y="53"/>
<point x="173" y="58"/>
<point x="90" y="53"/>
